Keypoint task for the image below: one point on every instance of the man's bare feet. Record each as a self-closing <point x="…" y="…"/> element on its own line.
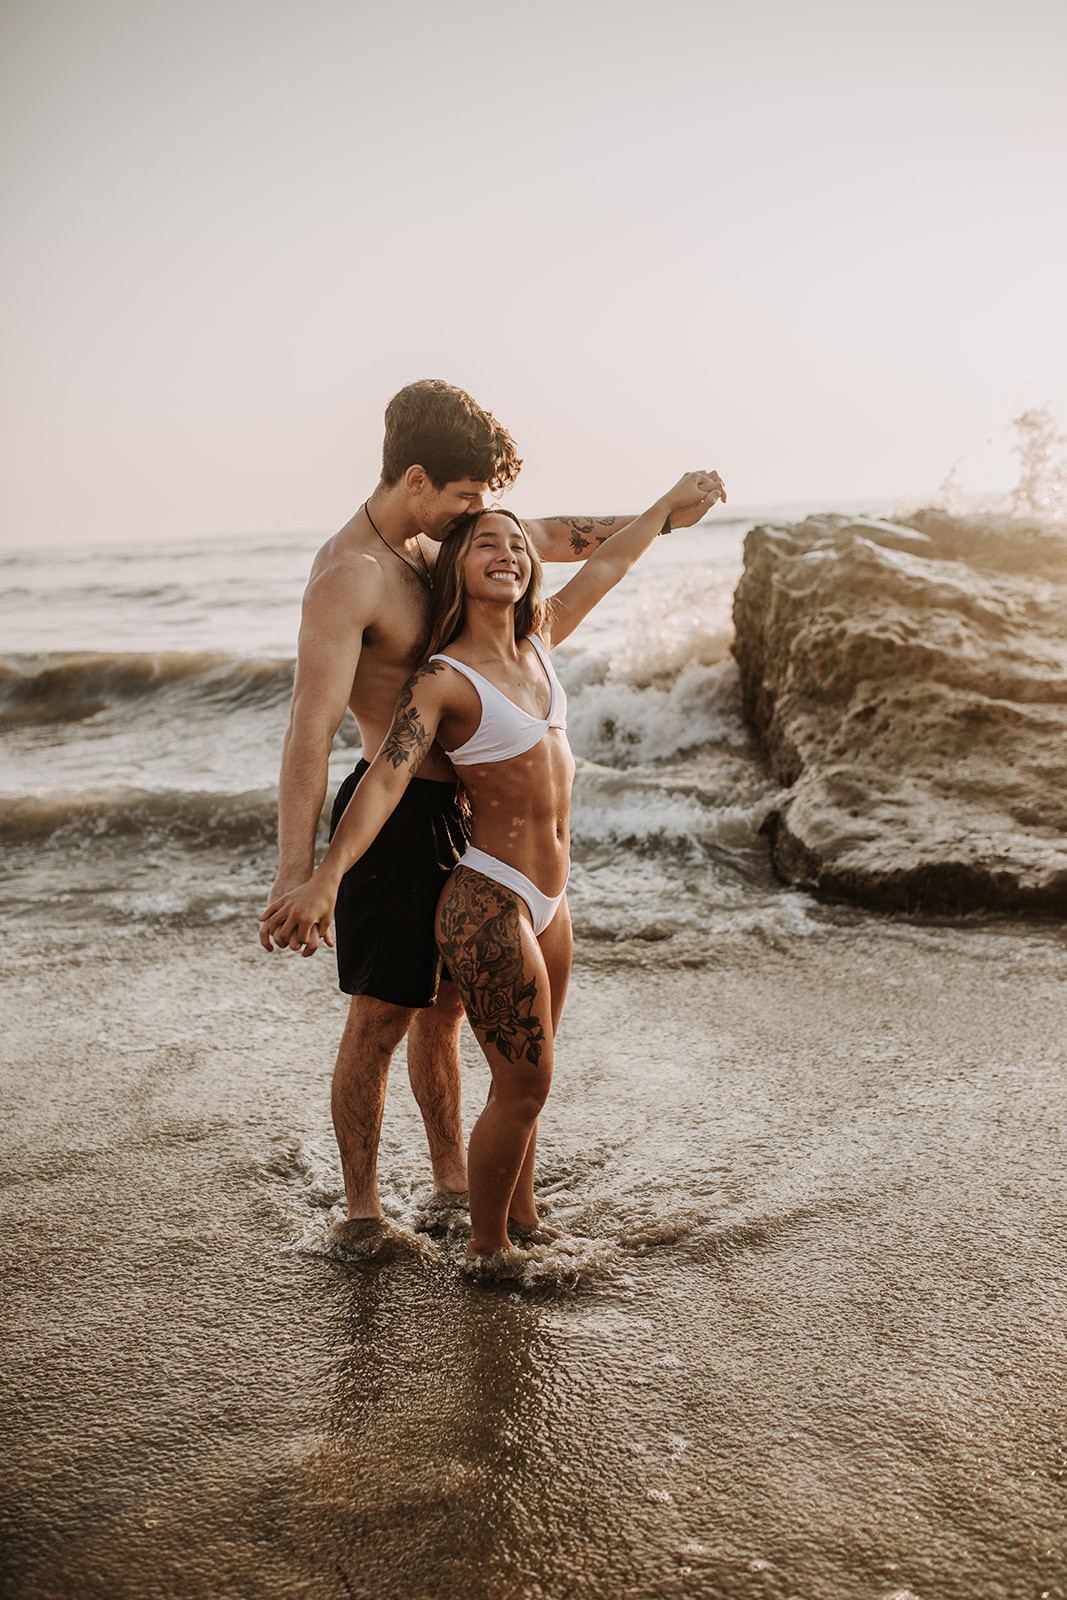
<point x="442" y="1212"/>
<point x="372" y="1238"/>
<point x="450" y="1174"/>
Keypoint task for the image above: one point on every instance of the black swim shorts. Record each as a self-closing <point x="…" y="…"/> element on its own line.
<point x="384" y="920"/>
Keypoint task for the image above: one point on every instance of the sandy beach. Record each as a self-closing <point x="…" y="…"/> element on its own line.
<point x="806" y="1340"/>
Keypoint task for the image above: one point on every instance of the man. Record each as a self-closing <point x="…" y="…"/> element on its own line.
<point x="362" y="635"/>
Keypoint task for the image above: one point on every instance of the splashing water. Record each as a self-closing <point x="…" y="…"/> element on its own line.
<point x="1040" y="446"/>
<point x="1041" y="488"/>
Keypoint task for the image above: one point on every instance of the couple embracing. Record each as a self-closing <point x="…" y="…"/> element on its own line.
<point x="426" y="616"/>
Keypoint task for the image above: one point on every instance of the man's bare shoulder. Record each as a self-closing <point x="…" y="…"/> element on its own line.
<point x="350" y="552"/>
<point x="345" y="572"/>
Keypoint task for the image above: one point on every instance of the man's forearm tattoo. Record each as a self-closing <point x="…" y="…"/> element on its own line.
<point x="407" y="740"/>
<point x="582" y="526"/>
<point x="481" y="945"/>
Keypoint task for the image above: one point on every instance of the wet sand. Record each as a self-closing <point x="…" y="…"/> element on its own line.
<point x="809" y="1341"/>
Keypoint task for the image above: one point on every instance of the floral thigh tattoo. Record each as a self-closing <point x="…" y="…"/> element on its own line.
<point x="480" y="941"/>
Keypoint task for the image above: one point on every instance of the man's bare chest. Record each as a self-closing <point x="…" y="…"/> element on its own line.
<point x="397" y="638"/>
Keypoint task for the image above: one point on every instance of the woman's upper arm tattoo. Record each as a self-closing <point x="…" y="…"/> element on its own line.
<point x="407" y="742"/>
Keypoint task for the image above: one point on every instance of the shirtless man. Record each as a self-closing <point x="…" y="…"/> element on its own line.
<point x="362" y="635"/>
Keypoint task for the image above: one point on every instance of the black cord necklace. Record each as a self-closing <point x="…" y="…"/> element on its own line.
<point x="424" y="575"/>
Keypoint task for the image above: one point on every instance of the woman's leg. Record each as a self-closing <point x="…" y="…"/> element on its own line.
<point x="557" y="949"/>
<point x="497" y="965"/>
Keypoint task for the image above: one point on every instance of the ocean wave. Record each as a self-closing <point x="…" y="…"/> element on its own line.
<point x="73" y="687"/>
<point x="612" y="815"/>
<point x="621" y="723"/>
<point x="660" y="681"/>
<point x="191" y="819"/>
<point x="655" y="816"/>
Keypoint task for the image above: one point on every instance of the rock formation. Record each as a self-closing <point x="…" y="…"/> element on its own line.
<point x="908" y="684"/>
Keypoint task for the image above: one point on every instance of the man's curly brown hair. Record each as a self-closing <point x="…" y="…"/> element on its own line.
<point x="435" y="426"/>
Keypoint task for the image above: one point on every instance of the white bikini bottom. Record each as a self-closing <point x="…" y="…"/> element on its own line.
<point x="542" y="907"/>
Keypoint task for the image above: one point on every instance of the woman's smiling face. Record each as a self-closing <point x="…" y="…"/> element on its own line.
<point x="497" y="564"/>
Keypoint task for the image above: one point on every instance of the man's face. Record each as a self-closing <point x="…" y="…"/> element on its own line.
<point x="439" y="510"/>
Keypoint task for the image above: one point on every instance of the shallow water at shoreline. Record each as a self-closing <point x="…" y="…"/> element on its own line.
<point x="808" y="1340"/>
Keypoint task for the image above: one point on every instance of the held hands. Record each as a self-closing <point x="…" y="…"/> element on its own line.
<point x="300" y="919"/>
<point x="693" y="497"/>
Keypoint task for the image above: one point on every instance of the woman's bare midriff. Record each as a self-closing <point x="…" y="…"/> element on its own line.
<point x="519" y="810"/>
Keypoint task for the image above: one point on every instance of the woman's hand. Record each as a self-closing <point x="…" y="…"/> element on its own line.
<point x="693" y="497"/>
<point x="300" y="919"/>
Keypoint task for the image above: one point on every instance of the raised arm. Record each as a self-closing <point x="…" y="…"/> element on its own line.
<point x="300" y="917"/>
<point x="571" y="538"/>
<point x="608" y="564"/>
<point x="575" y="538"/>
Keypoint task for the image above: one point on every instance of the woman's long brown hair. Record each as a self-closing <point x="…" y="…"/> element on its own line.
<point x="449" y="611"/>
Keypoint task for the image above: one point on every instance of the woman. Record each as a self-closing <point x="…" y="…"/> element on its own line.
<point x="497" y="708"/>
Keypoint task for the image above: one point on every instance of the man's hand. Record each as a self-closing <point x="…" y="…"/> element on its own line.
<point x="282" y="885"/>
<point x="688" y="516"/>
<point x="301" y="918"/>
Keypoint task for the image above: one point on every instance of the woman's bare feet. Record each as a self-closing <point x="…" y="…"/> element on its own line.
<point x="538" y="1232"/>
<point x="494" y="1266"/>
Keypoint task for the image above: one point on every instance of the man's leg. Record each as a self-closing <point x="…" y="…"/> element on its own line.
<point x="372" y="1032"/>
<point x="433" y="1070"/>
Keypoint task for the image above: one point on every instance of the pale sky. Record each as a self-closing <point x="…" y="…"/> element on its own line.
<point x="817" y="244"/>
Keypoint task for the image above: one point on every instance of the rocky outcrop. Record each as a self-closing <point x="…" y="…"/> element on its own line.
<point x="908" y="684"/>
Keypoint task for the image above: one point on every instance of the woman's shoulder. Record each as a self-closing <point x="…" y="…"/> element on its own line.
<point x="441" y="667"/>
<point x="446" y="677"/>
<point x="444" y="662"/>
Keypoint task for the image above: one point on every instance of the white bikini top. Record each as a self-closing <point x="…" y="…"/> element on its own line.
<point x="506" y="729"/>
